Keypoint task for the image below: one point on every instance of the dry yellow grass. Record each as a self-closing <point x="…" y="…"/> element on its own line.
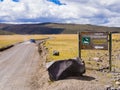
<point x="11" y="39"/>
<point x="67" y="45"/>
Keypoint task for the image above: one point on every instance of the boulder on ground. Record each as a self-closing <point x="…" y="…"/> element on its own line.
<point x="63" y="69"/>
<point x="56" y="53"/>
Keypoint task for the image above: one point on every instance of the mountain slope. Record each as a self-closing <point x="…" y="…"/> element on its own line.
<point x="5" y="32"/>
<point x="54" y="28"/>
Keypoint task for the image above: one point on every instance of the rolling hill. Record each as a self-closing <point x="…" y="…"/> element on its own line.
<point x="2" y="32"/>
<point x="54" y="28"/>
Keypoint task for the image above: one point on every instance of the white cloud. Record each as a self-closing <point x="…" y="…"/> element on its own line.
<point x="98" y="12"/>
<point x="113" y="22"/>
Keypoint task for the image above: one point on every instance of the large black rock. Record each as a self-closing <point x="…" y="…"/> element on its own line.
<point x="62" y="69"/>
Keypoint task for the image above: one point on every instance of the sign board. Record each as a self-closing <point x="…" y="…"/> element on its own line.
<point x="94" y="40"/>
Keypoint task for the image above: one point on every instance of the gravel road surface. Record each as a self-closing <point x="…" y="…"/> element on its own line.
<point x="17" y="66"/>
<point x="23" y="68"/>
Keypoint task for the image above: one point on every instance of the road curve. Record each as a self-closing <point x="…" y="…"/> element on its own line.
<point x="17" y="65"/>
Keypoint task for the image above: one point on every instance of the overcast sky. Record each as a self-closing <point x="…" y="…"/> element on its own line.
<point x="96" y="12"/>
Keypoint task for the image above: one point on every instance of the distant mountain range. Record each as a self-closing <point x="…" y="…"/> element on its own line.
<point x="52" y="28"/>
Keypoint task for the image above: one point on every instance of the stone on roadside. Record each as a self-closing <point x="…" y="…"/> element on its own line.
<point x="117" y="82"/>
<point x="97" y="59"/>
<point x="108" y="87"/>
<point x="55" y="53"/>
<point x="119" y="88"/>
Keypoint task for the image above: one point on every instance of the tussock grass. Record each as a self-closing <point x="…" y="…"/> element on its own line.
<point x="67" y="45"/>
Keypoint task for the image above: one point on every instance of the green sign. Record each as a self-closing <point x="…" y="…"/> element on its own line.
<point x="94" y="40"/>
<point x="86" y="40"/>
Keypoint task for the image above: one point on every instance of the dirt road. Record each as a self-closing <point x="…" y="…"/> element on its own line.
<point x="23" y="68"/>
<point x="17" y="66"/>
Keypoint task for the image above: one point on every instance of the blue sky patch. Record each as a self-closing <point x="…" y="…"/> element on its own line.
<point x="1" y="0"/>
<point x="16" y="0"/>
<point x="56" y="2"/>
<point x="12" y="0"/>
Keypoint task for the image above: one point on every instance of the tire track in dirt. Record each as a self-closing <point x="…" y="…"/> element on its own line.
<point x="17" y="66"/>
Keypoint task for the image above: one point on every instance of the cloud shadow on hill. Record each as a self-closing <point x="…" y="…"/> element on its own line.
<point x="33" y="29"/>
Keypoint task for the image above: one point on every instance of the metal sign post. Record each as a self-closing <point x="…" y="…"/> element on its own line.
<point x="95" y="41"/>
<point x="110" y="51"/>
<point x="79" y="45"/>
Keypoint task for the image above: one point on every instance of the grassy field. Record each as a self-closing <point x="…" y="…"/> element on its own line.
<point x="11" y="39"/>
<point x="67" y="45"/>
